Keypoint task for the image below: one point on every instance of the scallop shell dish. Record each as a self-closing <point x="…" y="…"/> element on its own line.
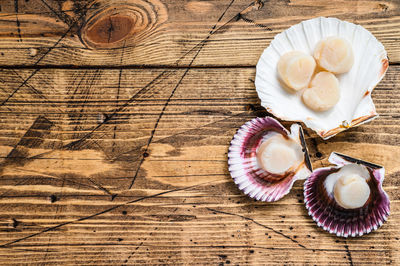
<point x="351" y="76"/>
<point x="347" y="199"/>
<point x="265" y="159"/>
<point x="320" y="72"/>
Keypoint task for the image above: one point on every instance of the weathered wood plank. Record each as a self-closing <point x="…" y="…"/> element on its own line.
<point x="72" y="142"/>
<point x="153" y="33"/>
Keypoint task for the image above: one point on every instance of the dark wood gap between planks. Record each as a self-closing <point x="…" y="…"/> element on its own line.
<point x="134" y="66"/>
<point x="121" y="67"/>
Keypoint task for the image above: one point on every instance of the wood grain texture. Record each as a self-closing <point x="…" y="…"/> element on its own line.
<point x="68" y="201"/>
<point x="154" y="32"/>
<point x="113" y="163"/>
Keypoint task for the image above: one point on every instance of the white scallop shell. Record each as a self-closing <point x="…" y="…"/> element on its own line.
<point x="355" y="106"/>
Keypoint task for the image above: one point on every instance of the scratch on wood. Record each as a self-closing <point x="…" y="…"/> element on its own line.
<point x="141" y="91"/>
<point x="54" y="11"/>
<point x="52" y="228"/>
<point x="212" y="31"/>
<point x="41" y="58"/>
<point x="223" y="14"/>
<point x="20" y="86"/>
<point x="112" y="115"/>
<point x="37" y="92"/>
<point x="118" y="91"/>
<point x="171" y="217"/>
<point x="99" y="186"/>
<point x="134" y="251"/>
<point x="32" y="138"/>
<point x="102" y="148"/>
<point x="156" y="125"/>
<point x="184" y="132"/>
<point x="42" y="13"/>
<point x="54" y="177"/>
<point x="172" y="94"/>
<point x="245" y="19"/>
<point x="17" y="20"/>
<point x="76" y="87"/>
<point x="55" y="216"/>
<point x="77" y="117"/>
<point x="348" y="254"/>
<point x="31" y="250"/>
<point x="256" y="5"/>
<point x="21" y="182"/>
<point x="40" y="155"/>
<point x="262" y="225"/>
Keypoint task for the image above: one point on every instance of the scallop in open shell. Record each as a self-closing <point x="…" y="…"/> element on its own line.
<point x="347" y="199"/>
<point x="355" y="105"/>
<point x="265" y="159"/>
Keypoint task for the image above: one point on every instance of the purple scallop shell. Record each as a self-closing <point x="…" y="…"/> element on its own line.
<point x="243" y="165"/>
<point x="346" y="222"/>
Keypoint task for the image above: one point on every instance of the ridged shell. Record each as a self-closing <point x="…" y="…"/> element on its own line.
<point x="346" y="222"/>
<point x="243" y="165"/>
<point x="355" y="106"/>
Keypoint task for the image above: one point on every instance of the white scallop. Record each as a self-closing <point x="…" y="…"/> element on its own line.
<point x="355" y="106"/>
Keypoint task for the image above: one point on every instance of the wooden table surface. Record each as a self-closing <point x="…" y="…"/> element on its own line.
<point x="115" y="121"/>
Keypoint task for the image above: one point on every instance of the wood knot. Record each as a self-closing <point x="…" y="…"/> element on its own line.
<point x="110" y="29"/>
<point x="111" y="25"/>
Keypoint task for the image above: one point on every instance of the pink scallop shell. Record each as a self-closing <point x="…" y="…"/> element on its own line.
<point x="346" y="222"/>
<point x="243" y="165"/>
